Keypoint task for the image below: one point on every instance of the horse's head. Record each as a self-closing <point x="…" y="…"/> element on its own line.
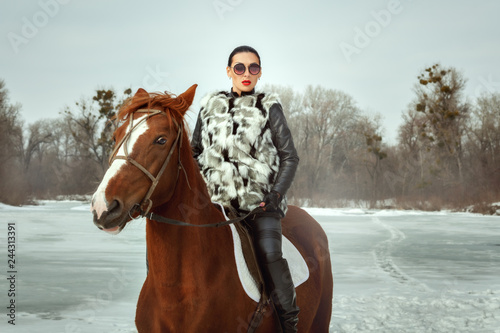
<point x="146" y="156"/>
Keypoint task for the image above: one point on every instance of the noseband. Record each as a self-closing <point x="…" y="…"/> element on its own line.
<point x="154" y="180"/>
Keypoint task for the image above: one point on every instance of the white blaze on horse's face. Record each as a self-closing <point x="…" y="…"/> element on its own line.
<point x="99" y="202"/>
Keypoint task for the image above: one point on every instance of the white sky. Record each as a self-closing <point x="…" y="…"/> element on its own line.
<point x="79" y="46"/>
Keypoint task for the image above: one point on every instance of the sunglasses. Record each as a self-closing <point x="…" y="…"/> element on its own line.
<point x="240" y="69"/>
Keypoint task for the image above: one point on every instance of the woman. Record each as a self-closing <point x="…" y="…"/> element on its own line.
<point x="247" y="157"/>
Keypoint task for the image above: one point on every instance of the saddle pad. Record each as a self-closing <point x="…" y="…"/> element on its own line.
<point x="297" y="264"/>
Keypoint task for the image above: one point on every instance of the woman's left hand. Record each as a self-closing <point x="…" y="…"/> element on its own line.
<point x="271" y="201"/>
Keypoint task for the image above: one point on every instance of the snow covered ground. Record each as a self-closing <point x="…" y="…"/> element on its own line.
<point x="394" y="271"/>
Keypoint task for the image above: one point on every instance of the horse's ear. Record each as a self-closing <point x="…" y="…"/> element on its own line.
<point x="188" y="95"/>
<point x="141" y="93"/>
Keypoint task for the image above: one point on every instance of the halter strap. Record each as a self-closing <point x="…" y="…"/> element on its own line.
<point x="154" y="180"/>
<point x="132" y="127"/>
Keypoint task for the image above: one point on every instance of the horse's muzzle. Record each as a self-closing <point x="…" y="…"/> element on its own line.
<point x="112" y="219"/>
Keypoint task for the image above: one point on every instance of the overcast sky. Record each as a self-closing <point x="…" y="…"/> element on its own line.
<point x="54" y="52"/>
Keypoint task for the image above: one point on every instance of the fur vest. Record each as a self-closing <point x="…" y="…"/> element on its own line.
<point x="239" y="161"/>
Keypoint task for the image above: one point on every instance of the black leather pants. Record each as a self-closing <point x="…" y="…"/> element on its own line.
<point x="267" y="237"/>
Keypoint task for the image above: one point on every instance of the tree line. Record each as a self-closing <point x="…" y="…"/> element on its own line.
<point x="445" y="155"/>
<point x="66" y="156"/>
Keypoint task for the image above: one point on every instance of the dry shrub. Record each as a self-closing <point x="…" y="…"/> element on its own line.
<point x="14" y="189"/>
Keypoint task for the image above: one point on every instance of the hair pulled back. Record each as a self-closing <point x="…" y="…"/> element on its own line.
<point x="240" y="49"/>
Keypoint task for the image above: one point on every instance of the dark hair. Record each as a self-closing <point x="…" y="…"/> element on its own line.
<point x="240" y="49"/>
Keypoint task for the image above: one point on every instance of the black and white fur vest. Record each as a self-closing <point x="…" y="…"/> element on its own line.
<point x="239" y="161"/>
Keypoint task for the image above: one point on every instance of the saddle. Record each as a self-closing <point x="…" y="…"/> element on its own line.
<point x="246" y="259"/>
<point x="247" y="248"/>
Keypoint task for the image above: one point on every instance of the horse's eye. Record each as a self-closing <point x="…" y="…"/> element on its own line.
<point x="161" y="140"/>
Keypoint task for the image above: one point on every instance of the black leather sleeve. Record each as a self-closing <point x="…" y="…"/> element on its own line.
<point x="196" y="139"/>
<point x="283" y="141"/>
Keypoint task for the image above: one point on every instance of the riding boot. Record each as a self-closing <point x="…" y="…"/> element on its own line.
<point x="279" y="285"/>
<point x="282" y="292"/>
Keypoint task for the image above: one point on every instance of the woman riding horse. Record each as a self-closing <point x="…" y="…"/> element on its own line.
<point x="248" y="159"/>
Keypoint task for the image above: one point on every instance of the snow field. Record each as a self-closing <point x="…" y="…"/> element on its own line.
<point x="394" y="271"/>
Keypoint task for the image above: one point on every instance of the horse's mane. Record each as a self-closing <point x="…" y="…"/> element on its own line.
<point x="173" y="106"/>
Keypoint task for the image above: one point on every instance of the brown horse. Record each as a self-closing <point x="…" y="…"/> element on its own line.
<point x="192" y="284"/>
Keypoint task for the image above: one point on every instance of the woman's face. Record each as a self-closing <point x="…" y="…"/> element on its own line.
<point x="246" y="81"/>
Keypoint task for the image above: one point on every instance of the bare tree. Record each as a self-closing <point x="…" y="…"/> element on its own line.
<point x="486" y="127"/>
<point x="444" y="113"/>
<point x="483" y="147"/>
<point x="12" y="184"/>
<point x="91" y="126"/>
<point x="10" y="127"/>
<point x="328" y="117"/>
<point x="376" y="153"/>
<point x="37" y="134"/>
<point x="324" y="124"/>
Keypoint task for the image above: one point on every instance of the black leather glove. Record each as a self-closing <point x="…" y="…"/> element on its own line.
<point x="271" y="201"/>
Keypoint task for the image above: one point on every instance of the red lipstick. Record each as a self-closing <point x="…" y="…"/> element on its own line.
<point x="246" y="82"/>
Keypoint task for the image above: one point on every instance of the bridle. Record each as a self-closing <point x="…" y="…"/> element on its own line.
<point x="154" y="180"/>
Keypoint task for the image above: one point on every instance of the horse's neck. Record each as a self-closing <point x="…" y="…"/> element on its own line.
<point x="190" y="201"/>
<point x="179" y="253"/>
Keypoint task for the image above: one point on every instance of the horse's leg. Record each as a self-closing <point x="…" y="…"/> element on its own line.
<point x="316" y="293"/>
<point x="321" y="321"/>
<point x="147" y="318"/>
